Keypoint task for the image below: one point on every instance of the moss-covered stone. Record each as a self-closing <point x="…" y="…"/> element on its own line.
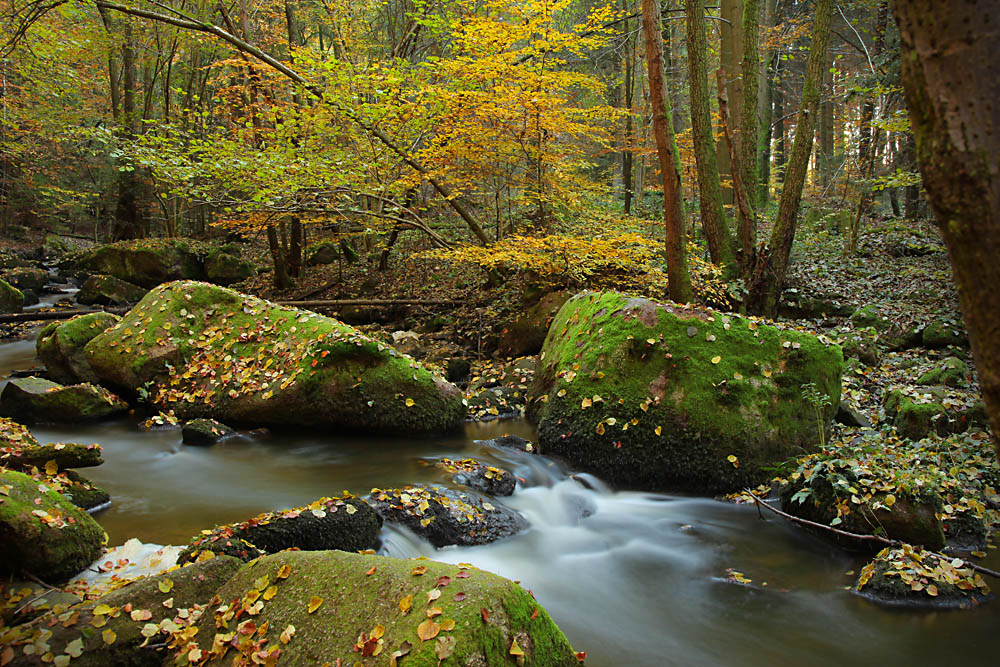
<point x="171" y="600"/>
<point x="60" y="346"/>
<point x="322" y="252"/>
<point x="147" y="262"/>
<point x="861" y="344"/>
<point x="205" y="432"/>
<point x="32" y="400"/>
<point x="83" y="493"/>
<point x="51" y="539"/>
<point x="869" y="316"/>
<point x="943" y="333"/>
<point x="918" y="420"/>
<point x="20" y="450"/>
<point x="526" y="334"/>
<point x="665" y="396"/>
<point x="487" y="614"/>
<point x="11" y="298"/>
<point x="489" y="479"/>
<point x="912" y="578"/>
<point x="951" y="372"/>
<point x="345" y="523"/>
<point x="26" y="277"/>
<point x="105" y="290"/>
<point x="223" y="267"/>
<point x="212" y="352"/>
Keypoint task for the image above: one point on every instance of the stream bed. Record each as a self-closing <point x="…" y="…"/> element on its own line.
<point x="632" y="578"/>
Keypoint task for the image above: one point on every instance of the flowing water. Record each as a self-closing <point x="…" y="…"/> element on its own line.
<point x="632" y="578"/>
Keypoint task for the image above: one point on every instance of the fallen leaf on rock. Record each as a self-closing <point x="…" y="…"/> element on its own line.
<point x="314" y="603"/>
<point x="428" y="630"/>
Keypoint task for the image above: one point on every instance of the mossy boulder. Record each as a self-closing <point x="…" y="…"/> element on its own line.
<point x="944" y="333"/>
<point x="60" y="346"/>
<point x="34" y="400"/>
<point x="663" y="396"/>
<point x="205" y="432"/>
<point x="26" y="277"/>
<point x="951" y="372"/>
<point x="124" y="626"/>
<point x="345" y="523"/>
<point x="147" y="262"/>
<point x="916" y="579"/>
<point x="345" y="607"/>
<point x="915" y="418"/>
<point x="861" y="344"/>
<point x="20" y="450"/>
<point x="870" y="316"/>
<point x="105" y="290"/>
<point x="322" y="252"/>
<point x="445" y="516"/>
<point x="806" y="305"/>
<point x="223" y="267"/>
<point x="211" y="352"/>
<point x="489" y="479"/>
<point x="526" y="334"/>
<point x="11" y="298"/>
<point x="83" y="493"/>
<point x="42" y="533"/>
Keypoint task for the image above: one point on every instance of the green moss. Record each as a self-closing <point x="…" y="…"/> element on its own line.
<point x="716" y="385"/>
<point x="60" y="346"/>
<point x="951" y="372"/>
<point x="361" y="592"/>
<point x="869" y="316"/>
<point x="11" y="298"/>
<point x="941" y="333"/>
<point x="918" y="420"/>
<point x="52" y="546"/>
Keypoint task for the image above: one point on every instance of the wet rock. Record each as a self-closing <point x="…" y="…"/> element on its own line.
<point x="445" y="516"/>
<point x="207" y="351"/>
<point x="42" y="532"/>
<point x="60" y="346"/>
<point x="20" y="450"/>
<point x="526" y="334"/>
<point x="951" y="372"/>
<point x="26" y="277"/>
<point x="128" y="626"/>
<point x="345" y="523"/>
<point x="11" y="298"/>
<point x="205" y="432"/>
<point x="30" y="297"/>
<point x="489" y="479"/>
<point x="916" y="579"/>
<point x="492" y="403"/>
<point x="510" y="442"/>
<point x="36" y="400"/>
<point x="83" y="493"/>
<point x="347" y="607"/>
<point x="662" y="396"/>
<point x="109" y="291"/>
<point x="943" y="333"/>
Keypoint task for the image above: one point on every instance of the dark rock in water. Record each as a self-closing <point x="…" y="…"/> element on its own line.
<point x="510" y="442"/>
<point x="457" y="370"/>
<point x="19" y="450"/>
<point x="204" y="432"/>
<point x="490" y="480"/>
<point x="103" y="633"/>
<point x="42" y="533"/>
<point x="85" y="494"/>
<point x="215" y="353"/>
<point x="36" y="400"/>
<point x="26" y="277"/>
<point x="30" y="297"/>
<point x="848" y="415"/>
<point x="446" y="517"/>
<point x="911" y="578"/>
<point x="105" y="290"/>
<point x="496" y="403"/>
<point x="368" y="608"/>
<point x="60" y="346"/>
<point x="346" y="523"/>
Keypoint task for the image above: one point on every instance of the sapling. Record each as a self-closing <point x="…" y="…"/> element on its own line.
<point x="818" y="400"/>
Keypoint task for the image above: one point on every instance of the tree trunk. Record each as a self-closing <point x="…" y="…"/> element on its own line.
<point x="749" y="133"/>
<point x="824" y="156"/>
<point x="768" y="70"/>
<point x="951" y="76"/>
<point x="771" y="264"/>
<point x="127" y="209"/>
<point x="281" y="280"/>
<point x="678" y="278"/>
<point x="713" y="215"/>
<point x="730" y="52"/>
<point x="628" y="94"/>
<point x="781" y="143"/>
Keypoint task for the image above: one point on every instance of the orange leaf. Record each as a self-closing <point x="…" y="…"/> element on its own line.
<point x="428" y="630"/>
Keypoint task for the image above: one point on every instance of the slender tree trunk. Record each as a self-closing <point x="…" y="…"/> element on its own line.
<point x="951" y="75"/>
<point x="281" y="279"/>
<point x="730" y="53"/>
<point x="628" y="86"/>
<point x="749" y="133"/>
<point x="768" y="69"/>
<point x="824" y="156"/>
<point x="679" y="280"/>
<point x="781" y="143"/>
<point x="713" y="216"/>
<point x="772" y="263"/>
<point x="127" y="209"/>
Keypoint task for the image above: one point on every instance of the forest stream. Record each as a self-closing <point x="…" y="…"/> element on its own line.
<point x="631" y="578"/>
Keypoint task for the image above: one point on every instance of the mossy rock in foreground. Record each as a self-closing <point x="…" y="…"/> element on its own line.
<point x="664" y="396"/>
<point x="355" y="596"/>
<point x="165" y="598"/>
<point x="915" y="579"/>
<point x="51" y="539"/>
<point x="33" y="400"/>
<point x="215" y="353"/>
<point x="60" y="346"/>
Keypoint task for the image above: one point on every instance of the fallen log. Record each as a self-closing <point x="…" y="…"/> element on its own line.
<point x="337" y="303"/>
<point x="40" y="316"/>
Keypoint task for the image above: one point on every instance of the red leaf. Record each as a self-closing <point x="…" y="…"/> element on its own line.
<point x="460" y="596"/>
<point x="534" y="614"/>
<point x="485" y="614"/>
<point x="443" y="580"/>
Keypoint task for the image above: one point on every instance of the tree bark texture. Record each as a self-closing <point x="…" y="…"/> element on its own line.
<point x="768" y="273"/>
<point x="749" y="133"/>
<point x="713" y="215"/>
<point x="678" y="278"/>
<point x="951" y="76"/>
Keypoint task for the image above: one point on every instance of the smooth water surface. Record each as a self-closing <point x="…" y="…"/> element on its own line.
<point x="632" y="578"/>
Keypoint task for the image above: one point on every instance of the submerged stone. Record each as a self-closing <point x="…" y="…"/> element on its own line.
<point x="489" y="479"/>
<point x="912" y="578"/>
<point x="205" y="432"/>
<point x="664" y="396"/>
<point x="207" y="351"/>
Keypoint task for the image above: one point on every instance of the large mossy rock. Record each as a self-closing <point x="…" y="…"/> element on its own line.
<point x="148" y="262"/>
<point x="664" y="396"/>
<point x="20" y="450"/>
<point x="37" y="400"/>
<point x="943" y="333"/>
<point x="212" y="352"/>
<point x="60" y="346"/>
<point x="11" y="298"/>
<point x="951" y="372"/>
<point x="526" y="334"/>
<point x="42" y="533"/>
<point x="916" y="579"/>
<point x="104" y="290"/>
<point x="27" y="277"/>
<point x="122" y="628"/>
<point x="322" y="252"/>
<point x="346" y="523"/>
<point x="223" y="267"/>
<point x="336" y="607"/>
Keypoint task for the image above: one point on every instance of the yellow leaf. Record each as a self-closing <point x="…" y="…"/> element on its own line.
<point x="406" y="604"/>
<point x="735" y="461"/>
<point x="890" y="500"/>
<point x="410" y="402"/>
<point x="932" y="590"/>
<point x="377" y="632"/>
<point x="109" y="636"/>
<point x="75" y="647"/>
<point x="448" y="624"/>
<point x="51" y="468"/>
<point x="716" y="360"/>
<point x="287" y="634"/>
<point x="585" y="403"/>
<point x="284" y="571"/>
<point x="428" y="630"/>
<point x="515" y="649"/>
<point x="165" y="585"/>
<point x="270" y="592"/>
<point x="600" y="429"/>
<point x="658" y="430"/>
<point x="314" y="603"/>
